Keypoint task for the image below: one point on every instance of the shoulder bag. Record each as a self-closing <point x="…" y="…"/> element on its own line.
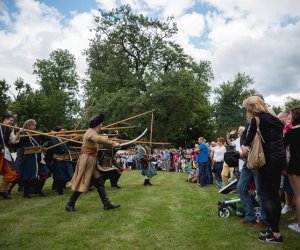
<point x="256" y="157"/>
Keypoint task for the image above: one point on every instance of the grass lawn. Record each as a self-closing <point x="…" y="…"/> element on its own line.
<point x="171" y="214"/>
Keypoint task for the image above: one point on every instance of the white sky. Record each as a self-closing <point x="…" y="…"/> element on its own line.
<point x="258" y="37"/>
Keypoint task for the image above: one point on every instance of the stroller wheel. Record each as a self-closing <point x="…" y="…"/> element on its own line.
<point x="224" y="212"/>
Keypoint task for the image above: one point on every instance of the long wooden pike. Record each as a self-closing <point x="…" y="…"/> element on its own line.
<point x="151" y="133"/>
<point x="84" y="115"/>
<point x="76" y="127"/>
<point x="127" y="119"/>
<point x="108" y="126"/>
<point x="41" y="133"/>
<point x="70" y="135"/>
<point x="84" y="130"/>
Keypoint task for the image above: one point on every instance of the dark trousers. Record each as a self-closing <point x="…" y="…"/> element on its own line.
<point x="209" y="175"/>
<point x="203" y="173"/>
<point x="218" y="166"/>
<point x="269" y="181"/>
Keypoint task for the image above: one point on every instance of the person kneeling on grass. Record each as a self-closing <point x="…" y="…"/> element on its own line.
<point x="192" y="178"/>
<point x="86" y="168"/>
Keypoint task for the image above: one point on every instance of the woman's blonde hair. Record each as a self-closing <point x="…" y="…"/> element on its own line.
<point x="255" y="105"/>
<point x="28" y="123"/>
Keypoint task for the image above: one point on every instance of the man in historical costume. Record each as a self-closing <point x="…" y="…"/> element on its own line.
<point x="86" y="168"/>
<point x="10" y="176"/>
<point x="146" y="169"/>
<point x="30" y="159"/>
<point x="60" y="159"/>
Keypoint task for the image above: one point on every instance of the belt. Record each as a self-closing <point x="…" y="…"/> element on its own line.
<point x="66" y="156"/>
<point x="89" y="151"/>
<point x="33" y="150"/>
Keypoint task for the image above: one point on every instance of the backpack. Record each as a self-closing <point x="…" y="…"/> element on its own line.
<point x="231" y="158"/>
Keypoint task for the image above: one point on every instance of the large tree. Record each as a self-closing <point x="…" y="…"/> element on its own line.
<point x="228" y="110"/>
<point x="59" y="85"/>
<point x="55" y="101"/>
<point x="134" y="66"/>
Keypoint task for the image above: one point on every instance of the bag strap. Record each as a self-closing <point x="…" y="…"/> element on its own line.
<point x="258" y="130"/>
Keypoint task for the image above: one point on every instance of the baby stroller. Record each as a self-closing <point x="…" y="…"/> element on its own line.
<point x="233" y="205"/>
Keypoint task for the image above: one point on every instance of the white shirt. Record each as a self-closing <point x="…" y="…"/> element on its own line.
<point x="237" y="143"/>
<point x="219" y="153"/>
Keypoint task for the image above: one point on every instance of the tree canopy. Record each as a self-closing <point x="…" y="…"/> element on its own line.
<point x="228" y="109"/>
<point x="134" y="66"/>
<point x="55" y="102"/>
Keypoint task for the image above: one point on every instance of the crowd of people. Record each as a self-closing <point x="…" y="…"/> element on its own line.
<point x="85" y="163"/>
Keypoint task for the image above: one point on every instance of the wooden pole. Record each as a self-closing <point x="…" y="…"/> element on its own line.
<point x="40" y="133"/>
<point x="127" y="119"/>
<point x="151" y="133"/>
<point x="84" y="116"/>
<point x="84" y="130"/>
<point x="108" y="126"/>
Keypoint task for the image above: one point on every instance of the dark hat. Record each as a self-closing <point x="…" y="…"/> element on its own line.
<point x="96" y="120"/>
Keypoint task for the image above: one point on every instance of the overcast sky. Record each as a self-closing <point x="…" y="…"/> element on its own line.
<point x="258" y="37"/>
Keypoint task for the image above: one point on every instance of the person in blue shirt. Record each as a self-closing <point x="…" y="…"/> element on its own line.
<point x="202" y="161"/>
<point x="166" y="157"/>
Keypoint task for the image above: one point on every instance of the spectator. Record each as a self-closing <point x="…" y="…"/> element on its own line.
<point x="166" y="157"/>
<point x="202" y="160"/>
<point x="269" y="175"/>
<point x="292" y="139"/>
<point x="285" y="184"/>
<point x="236" y="144"/>
<point x="192" y="178"/>
<point x="218" y="160"/>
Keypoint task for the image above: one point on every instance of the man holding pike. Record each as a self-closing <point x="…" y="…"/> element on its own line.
<point x="86" y="169"/>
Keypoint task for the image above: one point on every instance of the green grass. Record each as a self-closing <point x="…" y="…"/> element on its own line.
<point x="172" y="214"/>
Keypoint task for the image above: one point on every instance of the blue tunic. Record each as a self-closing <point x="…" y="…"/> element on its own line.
<point x="62" y="169"/>
<point x="30" y="166"/>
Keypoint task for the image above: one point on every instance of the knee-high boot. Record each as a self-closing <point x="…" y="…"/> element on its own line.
<point x="11" y="186"/>
<point x="3" y="190"/>
<point x="114" y="180"/>
<point x="60" y="187"/>
<point x="70" y="207"/>
<point x="99" y="183"/>
<point x="39" y="186"/>
<point x="26" y="185"/>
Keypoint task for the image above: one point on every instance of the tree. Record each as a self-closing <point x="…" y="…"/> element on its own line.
<point x="291" y="103"/>
<point x="23" y="104"/>
<point x="4" y="98"/>
<point x="228" y="110"/>
<point x="134" y="66"/>
<point x="59" y="84"/>
<point x="276" y="109"/>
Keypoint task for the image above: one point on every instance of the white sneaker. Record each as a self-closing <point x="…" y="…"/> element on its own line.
<point x="286" y="209"/>
<point x="295" y="227"/>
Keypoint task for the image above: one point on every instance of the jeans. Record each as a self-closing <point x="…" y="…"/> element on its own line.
<point x="243" y="189"/>
<point x="202" y="173"/>
<point x="218" y="166"/>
